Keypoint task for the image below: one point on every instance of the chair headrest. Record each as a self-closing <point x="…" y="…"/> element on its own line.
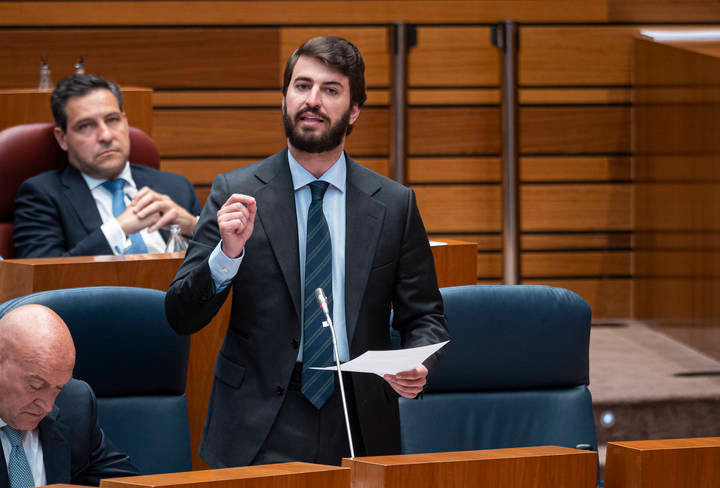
<point x="125" y="330"/>
<point x="513" y="337"/>
<point x="29" y="149"/>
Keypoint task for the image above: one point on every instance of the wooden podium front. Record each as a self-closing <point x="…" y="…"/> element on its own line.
<point x="455" y="264"/>
<point x="287" y="475"/>
<point x="522" y="467"/>
<point x="663" y="463"/>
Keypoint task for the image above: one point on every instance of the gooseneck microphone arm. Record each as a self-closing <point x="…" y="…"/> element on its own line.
<point x="322" y="301"/>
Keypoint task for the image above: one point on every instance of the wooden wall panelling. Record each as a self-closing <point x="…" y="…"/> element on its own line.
<point x="575" y="55"/>
<point x="663" y="11"/>
<point x="677" y="197"/>
<point x="599" y="241"/>
<point x="575" y="129"/>
<point x="555" y="130"/>
<point x="580" y="207"/>
<point x="552" y="207"/>
<point x="607" y="297"/>
<point x="154" y="57"/>
<point x="532" y="169"/>
<point x="318" y="12"/>
<point x="556" y="265"/>
<point x="453" y="56"/>
<point x="453" y="130"/>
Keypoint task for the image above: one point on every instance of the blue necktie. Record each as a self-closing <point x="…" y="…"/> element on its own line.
<point x="115" y="187"/>
<point x="317" y="386"/>
<point x="18" y="466"/>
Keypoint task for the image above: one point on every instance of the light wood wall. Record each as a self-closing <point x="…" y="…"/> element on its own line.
<point x="216" y="70"/>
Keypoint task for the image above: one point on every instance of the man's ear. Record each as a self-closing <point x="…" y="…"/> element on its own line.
<point x="354" y="113"/>
<point x="60" y="138"/>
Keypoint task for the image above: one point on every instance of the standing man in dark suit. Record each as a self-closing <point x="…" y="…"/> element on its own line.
<point x="271" y="232"/>
<point x="48" y="421"/>
<point x="100" y="203"/>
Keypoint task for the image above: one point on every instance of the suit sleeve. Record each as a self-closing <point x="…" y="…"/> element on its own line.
<point x="191" y="300"/>
<point x="38" y="229"/>
<point x="104" y="460"/>
<point x="417" y="305"/>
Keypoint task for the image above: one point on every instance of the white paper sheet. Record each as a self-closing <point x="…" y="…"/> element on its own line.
<point x="388" y="362"/>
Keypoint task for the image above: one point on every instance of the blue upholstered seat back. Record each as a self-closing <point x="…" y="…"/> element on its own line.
<point x="515" y="373"/>
<point x="136" y="365"/>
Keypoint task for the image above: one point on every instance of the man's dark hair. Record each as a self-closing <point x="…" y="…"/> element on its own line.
<point x="336" y="53"/>
<point x="78" y="86"/>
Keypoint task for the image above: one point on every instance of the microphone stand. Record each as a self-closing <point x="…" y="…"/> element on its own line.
<point x="322" y="300"/>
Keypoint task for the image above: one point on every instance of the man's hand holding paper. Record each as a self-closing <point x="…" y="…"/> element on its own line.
<point x="401" y="368"/>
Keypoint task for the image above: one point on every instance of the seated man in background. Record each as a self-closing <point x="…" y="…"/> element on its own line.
<point x="99" y="203"/>
<point x="48" y="421"/>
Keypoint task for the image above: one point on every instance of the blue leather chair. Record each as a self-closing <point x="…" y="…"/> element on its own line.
<point x="136" y="365"/>
<point x="515" y="373"/>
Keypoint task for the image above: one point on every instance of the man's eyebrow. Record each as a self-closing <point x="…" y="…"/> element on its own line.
<point x="81" y="121"/>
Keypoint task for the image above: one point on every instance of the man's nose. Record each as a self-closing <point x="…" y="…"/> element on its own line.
<point x="104" y="133"/>
<point x="46" y="402"/>
<point x="313" y="97"/>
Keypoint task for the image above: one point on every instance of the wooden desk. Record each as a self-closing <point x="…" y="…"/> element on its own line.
<point x="20" y="277"/>
<point x="285" y="475"/>
<point x="455" y="265"/>
<point x="663" y="463"/>
<point x="29" y="105"/>
<point x="537" y="467"/>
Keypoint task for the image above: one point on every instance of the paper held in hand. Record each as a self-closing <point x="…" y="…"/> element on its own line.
<point x="388" y="362"/>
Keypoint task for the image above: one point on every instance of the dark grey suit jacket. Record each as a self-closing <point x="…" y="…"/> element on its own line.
<point x="75" y="449"/>
<point x="56" y="215"/>
<point x="387" y="260"/>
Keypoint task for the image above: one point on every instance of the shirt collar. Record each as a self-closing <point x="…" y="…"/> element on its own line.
<point x="335" y="175"/>
<point x="125" y="174"/>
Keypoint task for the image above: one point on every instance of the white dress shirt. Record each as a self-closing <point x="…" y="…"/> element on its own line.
<point x="33" y="452"/>
<point x="110" y="227"/>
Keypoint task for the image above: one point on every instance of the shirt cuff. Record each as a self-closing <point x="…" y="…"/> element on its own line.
<point x="222" y="268"/>
<point x="115" y="237"/>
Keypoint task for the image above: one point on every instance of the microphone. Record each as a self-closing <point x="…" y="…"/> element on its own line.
<point x="322" y="302"/>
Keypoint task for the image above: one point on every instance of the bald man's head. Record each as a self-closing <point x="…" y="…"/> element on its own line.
<point x="37" y="356"/>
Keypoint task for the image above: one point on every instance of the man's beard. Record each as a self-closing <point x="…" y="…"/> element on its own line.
<point x="310" y="143"/>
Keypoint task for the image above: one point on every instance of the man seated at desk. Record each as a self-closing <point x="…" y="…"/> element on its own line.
<point x="100" y="203"/>
<point x="49" y="431"/>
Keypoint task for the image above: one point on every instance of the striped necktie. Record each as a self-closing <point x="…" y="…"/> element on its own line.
<point x="18" y="466"/>
<point x="317" y="386"/>
<point x="115" y="187"/>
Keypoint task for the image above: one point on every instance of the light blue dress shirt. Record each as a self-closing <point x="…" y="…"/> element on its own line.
<point x="223" y="269"/>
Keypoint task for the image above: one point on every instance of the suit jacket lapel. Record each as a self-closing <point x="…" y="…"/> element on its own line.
<point x="56" y="448"/>
<point x="4" y="477"/>
<point x="78" y="195"/>
<point x="276" y="212"/>
<point x="363" y="221"/>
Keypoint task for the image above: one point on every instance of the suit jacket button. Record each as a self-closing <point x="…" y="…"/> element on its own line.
<point x="280" y="390"/>
<point x="295" y="344"/>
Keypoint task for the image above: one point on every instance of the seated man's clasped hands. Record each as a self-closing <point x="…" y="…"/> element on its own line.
<point x="100" y="203"/>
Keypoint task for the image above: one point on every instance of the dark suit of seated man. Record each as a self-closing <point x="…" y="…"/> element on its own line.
<point x="100" y="203"/>
<point x="48" y="421"/>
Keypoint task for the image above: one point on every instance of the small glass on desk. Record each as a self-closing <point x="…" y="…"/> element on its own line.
<point x="176" y="242"/>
